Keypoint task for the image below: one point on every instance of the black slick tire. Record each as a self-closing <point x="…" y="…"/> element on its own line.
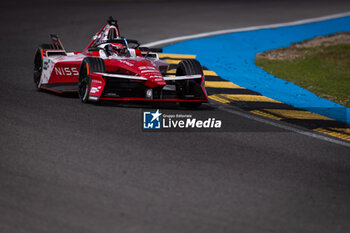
<point x="189" y="67"/>
<point x="88" y="65"/>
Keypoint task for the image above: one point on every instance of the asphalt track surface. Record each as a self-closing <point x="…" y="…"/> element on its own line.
<point x="70" y="167"/>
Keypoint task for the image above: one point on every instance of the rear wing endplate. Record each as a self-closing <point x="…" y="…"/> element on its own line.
<point x="56" y="41"/>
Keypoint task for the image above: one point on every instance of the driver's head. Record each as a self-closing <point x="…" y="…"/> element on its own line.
<point x="109" y="49"/>
<point x="122" y="51"/>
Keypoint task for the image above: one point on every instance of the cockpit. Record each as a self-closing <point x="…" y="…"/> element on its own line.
<point x="109" y="43"/>
<point x="116" y="49"/>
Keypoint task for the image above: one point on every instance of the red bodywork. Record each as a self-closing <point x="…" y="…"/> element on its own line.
<point x="61" y="72"/>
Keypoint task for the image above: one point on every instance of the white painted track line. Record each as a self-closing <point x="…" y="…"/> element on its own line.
<point x="251" y="28"/>
<point x="282" y="126"/>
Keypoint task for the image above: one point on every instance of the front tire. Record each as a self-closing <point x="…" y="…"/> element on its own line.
<point x="88" y="65"/>
<point x="189" y="67"/>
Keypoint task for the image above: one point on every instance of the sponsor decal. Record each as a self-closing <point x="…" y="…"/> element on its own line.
<point x="95" y="90"/>
<point x="126" y="62"/>
<point x="46" y="64"/>
<point x="147" y="71"/>
<point x="66" y="71"/>
<point x="96" y="81"/>
<point x="147" y="68"/>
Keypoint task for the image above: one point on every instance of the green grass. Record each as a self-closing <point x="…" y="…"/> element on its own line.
<point x="325" y="71"/>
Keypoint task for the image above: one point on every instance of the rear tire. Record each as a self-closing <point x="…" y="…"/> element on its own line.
<point x="88" y="65"/>
<point x="189" y="67"/>
<point x="38" y="62"/>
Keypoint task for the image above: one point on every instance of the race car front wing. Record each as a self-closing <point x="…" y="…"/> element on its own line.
<point x="121" y="87"/>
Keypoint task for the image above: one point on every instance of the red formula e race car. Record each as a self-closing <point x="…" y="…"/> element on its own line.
<point x="115" y="68"/>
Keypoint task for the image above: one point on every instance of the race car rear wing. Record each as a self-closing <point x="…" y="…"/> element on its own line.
<point x="56" y="41"/>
